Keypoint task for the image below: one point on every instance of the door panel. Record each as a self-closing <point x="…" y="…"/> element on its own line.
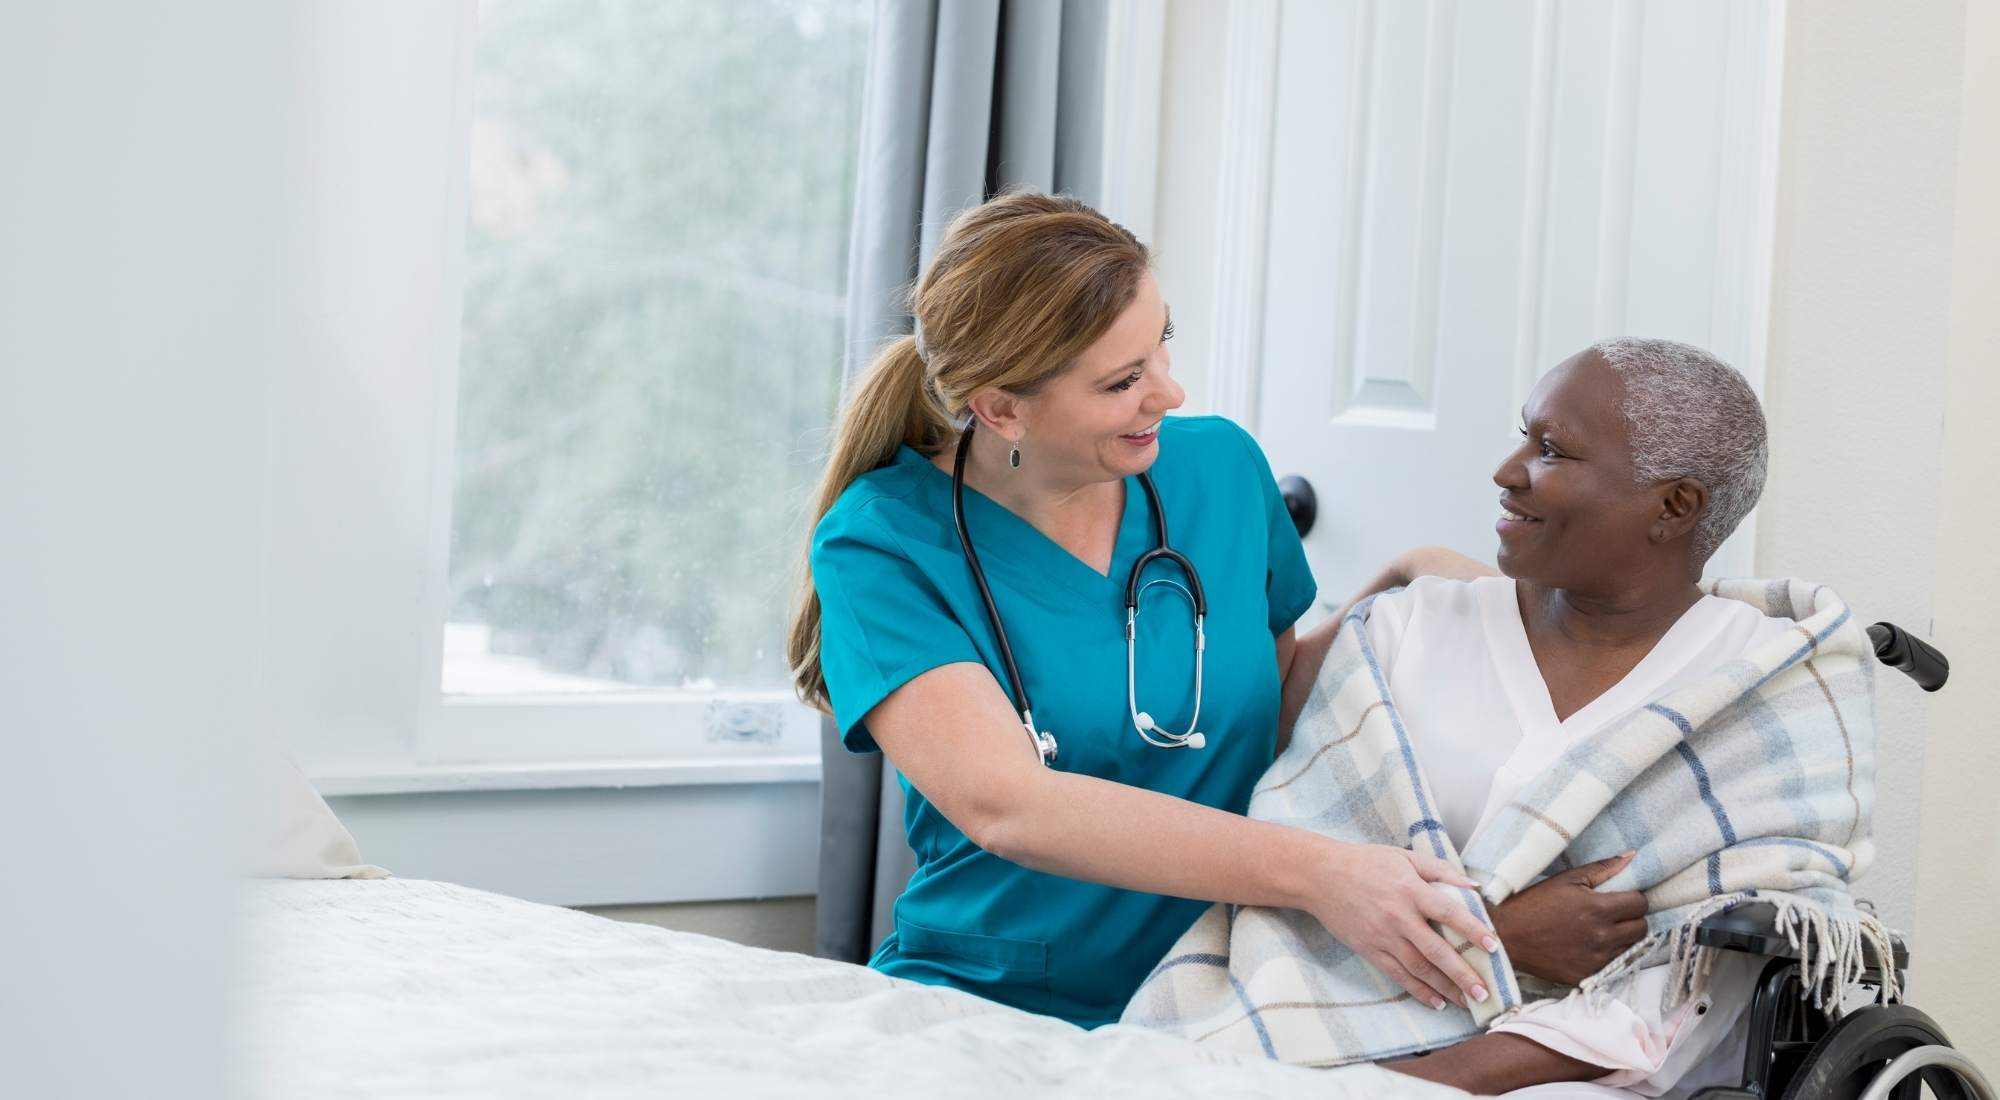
<point x="1463" y="194"/>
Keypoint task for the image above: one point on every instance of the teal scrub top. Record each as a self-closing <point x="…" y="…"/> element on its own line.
<point x="897" y="599"/>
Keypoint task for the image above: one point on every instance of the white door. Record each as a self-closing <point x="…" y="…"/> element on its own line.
<point x="1460" y="195"/>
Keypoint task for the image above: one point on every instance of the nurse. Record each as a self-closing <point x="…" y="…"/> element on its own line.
<point x="1054" y="886"/>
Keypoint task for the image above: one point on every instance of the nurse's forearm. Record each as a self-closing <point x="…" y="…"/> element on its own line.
<point x="1094" y="829"/>
<point x="953" y="734"/>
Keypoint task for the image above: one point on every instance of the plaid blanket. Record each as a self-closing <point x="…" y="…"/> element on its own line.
<point x="1755" y="781"/>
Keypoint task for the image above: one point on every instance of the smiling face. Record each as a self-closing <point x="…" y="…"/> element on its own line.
<point x="1572" y="516"/>
<point x="1099" y="419"/>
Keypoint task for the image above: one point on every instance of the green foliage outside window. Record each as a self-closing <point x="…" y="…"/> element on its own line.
<point x="654" y="291"/>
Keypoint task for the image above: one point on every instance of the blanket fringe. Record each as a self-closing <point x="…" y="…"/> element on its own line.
<point x="1833" y="951"/>
<point x="1691" y="962"/>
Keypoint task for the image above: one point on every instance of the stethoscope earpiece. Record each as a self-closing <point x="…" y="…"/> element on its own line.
<point x="1144" y="723"/>
<point x="1159" y="738"/>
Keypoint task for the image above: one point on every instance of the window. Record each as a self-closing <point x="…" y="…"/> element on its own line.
<point x="654" y="292"/>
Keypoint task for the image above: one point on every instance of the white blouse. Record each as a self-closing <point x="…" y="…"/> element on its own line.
<point x="1473" y="700"/>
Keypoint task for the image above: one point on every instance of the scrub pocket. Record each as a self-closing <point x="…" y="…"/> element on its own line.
<point x="1011" y="971"/>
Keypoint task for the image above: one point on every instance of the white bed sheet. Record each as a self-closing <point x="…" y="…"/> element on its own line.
<point x="407" y="988"/>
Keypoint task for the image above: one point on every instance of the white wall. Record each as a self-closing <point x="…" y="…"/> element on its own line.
<point x="137" y="277"/>
<point x="1882" y="396"/>
<point x="599" y="845"/>
<point x="1958" y="873"/>
<point x="1855" y="385"/>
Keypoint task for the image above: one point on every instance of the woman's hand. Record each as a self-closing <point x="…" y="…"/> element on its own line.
<point x="1563" y="929"/>
<point x="1379" y="901"/>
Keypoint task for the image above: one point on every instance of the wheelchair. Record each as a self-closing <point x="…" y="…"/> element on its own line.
<point x="1878" y="1051"/>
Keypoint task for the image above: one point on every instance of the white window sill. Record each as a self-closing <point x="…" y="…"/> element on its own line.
<point x="571" y="775"/>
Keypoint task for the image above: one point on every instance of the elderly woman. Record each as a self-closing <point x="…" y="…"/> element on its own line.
<point x="1557" y="709"/>
<point x="1638" y="457"/>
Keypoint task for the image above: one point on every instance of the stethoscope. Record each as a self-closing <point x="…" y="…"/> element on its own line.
<point x="1045" y="742"/>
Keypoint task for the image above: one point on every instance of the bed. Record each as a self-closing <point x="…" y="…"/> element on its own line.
<point x="377" y="988"/>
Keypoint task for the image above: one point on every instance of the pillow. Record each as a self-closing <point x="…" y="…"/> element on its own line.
<point x="300" y="837"/>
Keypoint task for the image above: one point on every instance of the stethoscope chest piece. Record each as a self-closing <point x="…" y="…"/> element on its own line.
<point x="1045" y="742"/>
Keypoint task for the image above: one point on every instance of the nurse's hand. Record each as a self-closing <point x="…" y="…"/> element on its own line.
<point x="1379" y="901"/>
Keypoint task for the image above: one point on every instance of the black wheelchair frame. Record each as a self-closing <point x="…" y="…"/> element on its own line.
<point x="1879" y="1051"/>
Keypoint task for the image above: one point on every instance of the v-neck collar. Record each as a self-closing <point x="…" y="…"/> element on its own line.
<point x="997" y="529"/>
<point x="1528" y="692"/>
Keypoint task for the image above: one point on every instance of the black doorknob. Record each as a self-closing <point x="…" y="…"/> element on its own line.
<point x="1300" y="501"/>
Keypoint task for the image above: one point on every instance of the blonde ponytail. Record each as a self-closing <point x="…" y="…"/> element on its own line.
<point x="890" y="406"/>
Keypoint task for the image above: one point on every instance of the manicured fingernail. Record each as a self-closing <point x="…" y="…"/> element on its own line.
<point x="1490" y="944"/>
<point x="1479" y="993"/>
<point x="1438" y="1004"/>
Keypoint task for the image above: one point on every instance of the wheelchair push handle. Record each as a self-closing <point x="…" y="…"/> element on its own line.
<point x="1914" y="657"/>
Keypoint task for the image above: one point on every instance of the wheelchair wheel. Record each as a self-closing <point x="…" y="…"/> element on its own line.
<point x="1859" y="1045"/>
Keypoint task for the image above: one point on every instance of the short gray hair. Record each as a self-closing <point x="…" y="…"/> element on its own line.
<point x="1692" y="415"/>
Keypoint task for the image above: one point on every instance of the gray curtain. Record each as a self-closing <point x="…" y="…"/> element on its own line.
<point x="965" y="98"/>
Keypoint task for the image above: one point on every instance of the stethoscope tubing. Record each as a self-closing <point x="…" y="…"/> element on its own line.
<point x="1043" y="742"/>
<point x="986" y="594"/>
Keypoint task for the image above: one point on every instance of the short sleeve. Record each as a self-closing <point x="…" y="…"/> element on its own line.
<point x="1288" y="581"/>
<point x="882" y="621"/>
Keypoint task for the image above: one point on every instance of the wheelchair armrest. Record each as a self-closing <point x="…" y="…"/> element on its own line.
<point x="1751" y="927"/>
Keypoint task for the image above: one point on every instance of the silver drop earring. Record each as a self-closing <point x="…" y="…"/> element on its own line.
<point x="1014" y="457"/>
